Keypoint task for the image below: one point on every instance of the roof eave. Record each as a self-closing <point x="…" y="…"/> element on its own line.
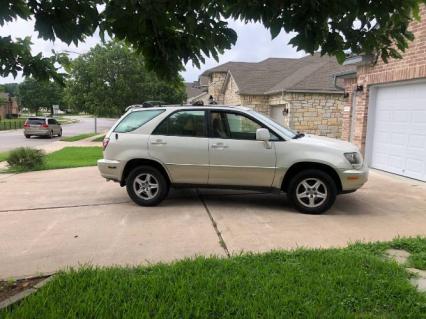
<point x="364" y="59"/>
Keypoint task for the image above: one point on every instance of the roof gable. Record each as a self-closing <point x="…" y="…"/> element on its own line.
<point x="310" y="73"/>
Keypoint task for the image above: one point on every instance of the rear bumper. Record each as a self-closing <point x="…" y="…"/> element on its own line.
<point x="38" y="132"/>
<point x="353" y="179"/>
<point x="111" y="170"/>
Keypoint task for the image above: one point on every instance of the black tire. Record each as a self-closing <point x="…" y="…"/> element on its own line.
<point x="27" y="136"/>
<point x="50" y="134"/>
<point x="322" y="197"/>
<point x="60" y="133"/>
<point x="163" y="186"/>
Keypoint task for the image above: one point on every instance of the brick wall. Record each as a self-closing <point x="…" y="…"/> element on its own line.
<point x="412" y="66"/>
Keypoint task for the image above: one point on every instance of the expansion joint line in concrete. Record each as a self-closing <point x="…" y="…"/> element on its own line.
<point x="61" y="207"/>
<point x="216" y="229"/>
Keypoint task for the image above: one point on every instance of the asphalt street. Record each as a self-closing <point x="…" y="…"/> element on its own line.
<point x="15" y="138"/>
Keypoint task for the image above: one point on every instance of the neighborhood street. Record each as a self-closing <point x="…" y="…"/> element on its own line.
<point x="50" y="220"/>
<point x="15" y="138"/>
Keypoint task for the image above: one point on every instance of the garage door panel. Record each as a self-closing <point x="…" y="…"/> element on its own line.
<point x="399" y="130"/>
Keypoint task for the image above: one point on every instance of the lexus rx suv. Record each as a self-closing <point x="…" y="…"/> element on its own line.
<point x="151" y="150"/>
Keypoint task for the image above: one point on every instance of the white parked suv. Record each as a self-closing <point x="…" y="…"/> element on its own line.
<point x="151" y="150"/>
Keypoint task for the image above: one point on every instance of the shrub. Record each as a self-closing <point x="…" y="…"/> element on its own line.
<point x="25" y="158"/>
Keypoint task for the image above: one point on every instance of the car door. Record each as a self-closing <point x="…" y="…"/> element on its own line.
<point x="236" y="157"/>
<point x="180" y="142"/>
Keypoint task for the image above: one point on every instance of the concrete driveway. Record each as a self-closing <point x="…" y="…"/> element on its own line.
<point x="53" y="219"/>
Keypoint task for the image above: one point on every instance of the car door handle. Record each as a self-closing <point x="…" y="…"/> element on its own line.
<point x="158" y="142"/>
<point x="219" y="145"/>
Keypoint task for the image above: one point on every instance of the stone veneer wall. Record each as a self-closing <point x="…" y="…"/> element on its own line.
<point x="231" y="97"/>
<point x="314" y="113"/>
<point x="216" y="82"/>
<point x="412" y="66"/>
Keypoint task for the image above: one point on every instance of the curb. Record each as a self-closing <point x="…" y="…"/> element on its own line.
<point x="23" y="294"/>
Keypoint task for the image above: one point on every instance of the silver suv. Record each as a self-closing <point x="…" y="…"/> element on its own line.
<point x="42" y="126"/>
<point x="151" y="150"/>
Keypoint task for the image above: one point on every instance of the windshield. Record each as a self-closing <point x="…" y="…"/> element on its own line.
<point x="287" y="132"/>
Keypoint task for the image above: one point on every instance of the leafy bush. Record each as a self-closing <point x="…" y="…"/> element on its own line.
<point x="25" y="158"/>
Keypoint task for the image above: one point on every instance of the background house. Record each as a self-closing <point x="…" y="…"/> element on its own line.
<point x="300" y="93"/>
<point x="385" y="114"/>
<point x="197" y="91"/>
<point x="8" y="106"/>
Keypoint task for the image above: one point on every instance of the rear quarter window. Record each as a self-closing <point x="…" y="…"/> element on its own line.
<point x="135" y="120"/>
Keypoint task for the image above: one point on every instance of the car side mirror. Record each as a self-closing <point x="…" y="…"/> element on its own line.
<point x="262" y="134"/>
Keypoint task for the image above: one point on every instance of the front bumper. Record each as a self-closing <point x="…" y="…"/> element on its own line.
<point x="352" y="179"/>
<point x="111" y="170"/>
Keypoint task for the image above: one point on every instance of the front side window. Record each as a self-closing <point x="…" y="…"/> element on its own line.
<point x="183" y="123"/>
<point x="135" y="120"/>
<point x="235" y="126"/>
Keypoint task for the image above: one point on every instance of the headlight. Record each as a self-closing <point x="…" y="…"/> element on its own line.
<point x="353" y="158"/>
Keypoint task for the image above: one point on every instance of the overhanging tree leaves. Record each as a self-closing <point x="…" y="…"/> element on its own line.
<point x="109" y="78"/>
<point x="169" y="33"/>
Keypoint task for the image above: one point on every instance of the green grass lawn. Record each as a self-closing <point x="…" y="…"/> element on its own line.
<point x="68" y="157"/>
<point x="77" y="137"/>
<point x="99" y="139"/>
<point x="3" y="156"/>
<point x="73" y="157"/>
<point x="355" y="282"/>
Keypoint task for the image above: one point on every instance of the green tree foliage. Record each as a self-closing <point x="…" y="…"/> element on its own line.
<point x="109" y="78"/>
<point x="169" y="33"/>
<point x="11" y="88"/>
<point x="34" y="94"/>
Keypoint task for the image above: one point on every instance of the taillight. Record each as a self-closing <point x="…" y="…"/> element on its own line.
<point x="26" y="124"/>
<point x="105" y="143"/>
<point x="44" y="125"/>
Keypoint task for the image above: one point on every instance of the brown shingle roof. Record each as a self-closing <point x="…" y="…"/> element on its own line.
<point x="307" y="74"/>
<point x="192" y="90"/>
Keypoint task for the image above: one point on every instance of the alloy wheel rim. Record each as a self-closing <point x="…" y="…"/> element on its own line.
<point x="146" y="186"/>
<point x="311" y="192"/>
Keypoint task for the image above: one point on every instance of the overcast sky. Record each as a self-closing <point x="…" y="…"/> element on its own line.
<point x="254" y="44"/>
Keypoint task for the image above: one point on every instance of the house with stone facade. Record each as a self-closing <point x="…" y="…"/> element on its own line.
<point x="385" y="112"/>
<point x="300" y="93"/>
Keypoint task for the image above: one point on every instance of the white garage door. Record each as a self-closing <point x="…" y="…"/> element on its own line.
<point x="399" y="130"/>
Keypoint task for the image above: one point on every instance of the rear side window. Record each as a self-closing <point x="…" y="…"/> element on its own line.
<point x="135" y="120"/>
<point x="51" y="121"/>
<point x="33" y="121"/>
<point x="183" y="123"/>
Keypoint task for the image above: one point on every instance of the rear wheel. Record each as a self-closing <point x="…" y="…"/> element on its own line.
<point x="146" y="186"/>
<point x="27" y="136"/>
<point x="60" y="133"/>
<point x="312" y="191"/>
<point x="50" y="134"/>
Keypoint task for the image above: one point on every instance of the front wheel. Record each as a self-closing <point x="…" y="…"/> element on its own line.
<point x="146" y="186"/>
<point x="60" y="133"/>
<point x="27" y="136"/>
<point x="312" y="191"/>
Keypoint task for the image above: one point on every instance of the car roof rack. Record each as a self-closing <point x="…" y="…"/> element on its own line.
<point x="146" y="104"/>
